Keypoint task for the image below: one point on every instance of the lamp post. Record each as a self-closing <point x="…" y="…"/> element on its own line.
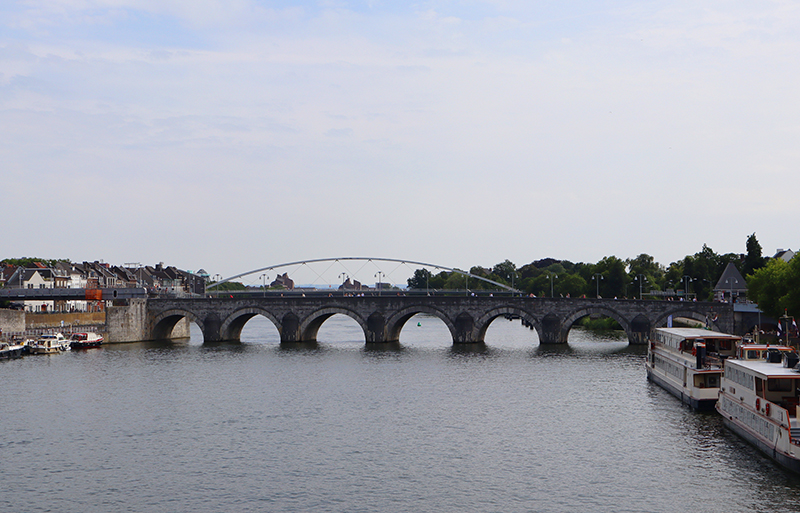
<point x="785" y="316"/>
<point x="513" y="275"/>
<point x="379" y="275"/>
<point x="686" y="280"/>
<point x="551" y="283"/>
<point x="640" y="277"/>
<point x="264" y="278"/>
<point x="427" y="287"/>
<point x="343" y="277"/>
<point x="217" y="278"/>
<point x="597" y="277"/>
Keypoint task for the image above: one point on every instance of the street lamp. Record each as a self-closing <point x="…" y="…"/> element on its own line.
<point x="686" y="280"/>
<point x="217" y="278"/>
<point x="597" y="277"/>
<point x="551" y="283"/>
<point x="513" y="275"/>
<point x="264" y="278"/>
<point x="379" y="275"/>
<point x="427" y="287"/>
<point x="343" y="277"/>
<point x="640" y="278"/>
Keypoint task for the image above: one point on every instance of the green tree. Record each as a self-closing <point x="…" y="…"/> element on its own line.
<point x="439" y="280"/>
<point x="776" y="287"/>
<point x="570" y="284"/>
<point x="753" y="260"/>
<point x="703" y="270"/>
<point x="504" y="270"/>
<point x="614" y="278"/>
<point x="651" y="271"/>
<point x="228" y="285"/>
<point x="420" y="280"/>
<point x="31" y="261"/>
<point x="457" y="281"/>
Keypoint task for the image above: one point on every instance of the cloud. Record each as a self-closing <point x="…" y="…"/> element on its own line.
<point x="517" y="123"/>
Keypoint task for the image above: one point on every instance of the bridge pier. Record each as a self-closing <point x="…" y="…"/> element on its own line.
<point x="377" y="332"/>
<point x="212" y="325"/>
<point x="465" y="330"/>
<point x="552" y="331"/>
<point x="640" y="330"/>
<point x="290" y="329"/>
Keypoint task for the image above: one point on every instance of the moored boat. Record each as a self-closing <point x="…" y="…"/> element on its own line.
<point x="8" y="351"/>
<point x="687" y="362"/>
<point x="85" y="340"/>
<point x="758" y="401"/>
<point x="48" y="344"/>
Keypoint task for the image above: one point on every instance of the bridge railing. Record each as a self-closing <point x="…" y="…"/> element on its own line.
<point x="365" y="293"/>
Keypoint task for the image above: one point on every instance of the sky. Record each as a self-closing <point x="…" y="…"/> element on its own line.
<point x="233" y="135"/>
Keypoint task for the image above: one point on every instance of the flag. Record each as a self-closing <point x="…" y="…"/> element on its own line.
<point x="794" y="325"/>
<point x="779" y="329"/>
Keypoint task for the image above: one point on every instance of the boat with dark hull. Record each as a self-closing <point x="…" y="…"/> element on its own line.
<point x="8" y="351"/>
<point x="85" y="340"/>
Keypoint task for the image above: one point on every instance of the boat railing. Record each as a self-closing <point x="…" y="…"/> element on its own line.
<point x="714" y="360"/>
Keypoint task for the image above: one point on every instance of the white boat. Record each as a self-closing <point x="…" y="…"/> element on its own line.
<point x="48" y="344"/>
<point x="8" y="351"/>
<point x="687" y="362"/>
<point x="758" y="401"/>
<point x="85" y="340"/>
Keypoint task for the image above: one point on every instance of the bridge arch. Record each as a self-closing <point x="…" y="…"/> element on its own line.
<point x="310" y="325"/>
<point x="232" y="326"/>
<point x="482" y="323"/>
<point x="395" y="322"/>
<point x="164" y="323"/>
<point x="569" y="320"/>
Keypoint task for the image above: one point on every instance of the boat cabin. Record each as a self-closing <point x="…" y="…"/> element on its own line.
<point x="761" y="352"/>
<point x="769" y="380"/>
<point x="712" y="346"/>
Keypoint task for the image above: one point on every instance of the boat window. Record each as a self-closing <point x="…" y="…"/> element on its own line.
<point x="779" y="385"/>
<point x="725" y="345"/>
<point x="753" y="354"/>
<point x="759" y="387"/>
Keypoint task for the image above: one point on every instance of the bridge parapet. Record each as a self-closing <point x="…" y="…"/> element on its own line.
<point x="298" y="319"/>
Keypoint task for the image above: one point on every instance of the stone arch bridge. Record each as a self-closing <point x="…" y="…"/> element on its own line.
<point x="298" y="318"/>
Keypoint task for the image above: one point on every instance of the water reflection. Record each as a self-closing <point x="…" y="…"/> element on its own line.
<point x="383" y="347"/>
<point x="312" y="345"/>
<point x="477" y="348"/>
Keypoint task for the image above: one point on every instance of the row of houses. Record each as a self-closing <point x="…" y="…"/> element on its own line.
<point x="158" y="279"/>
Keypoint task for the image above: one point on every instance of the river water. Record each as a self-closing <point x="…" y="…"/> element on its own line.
<point x="183" y="426"/>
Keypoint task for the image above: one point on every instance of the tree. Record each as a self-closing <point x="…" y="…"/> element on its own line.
<point x="703" y="270"/>
<point x="614" y="278"/>
<point x="776" y="287"/>
<point x="652" y="271"/>
<point x="753" y="259"/>
<point x="769" y="286"/>
<point x="504" y="270"/>
<point x="420" y="280"/>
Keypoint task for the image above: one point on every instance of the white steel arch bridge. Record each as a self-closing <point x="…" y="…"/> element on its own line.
<point x="345" y="264"/>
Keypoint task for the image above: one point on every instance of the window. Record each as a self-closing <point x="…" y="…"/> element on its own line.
<point x="779" y="384"/>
